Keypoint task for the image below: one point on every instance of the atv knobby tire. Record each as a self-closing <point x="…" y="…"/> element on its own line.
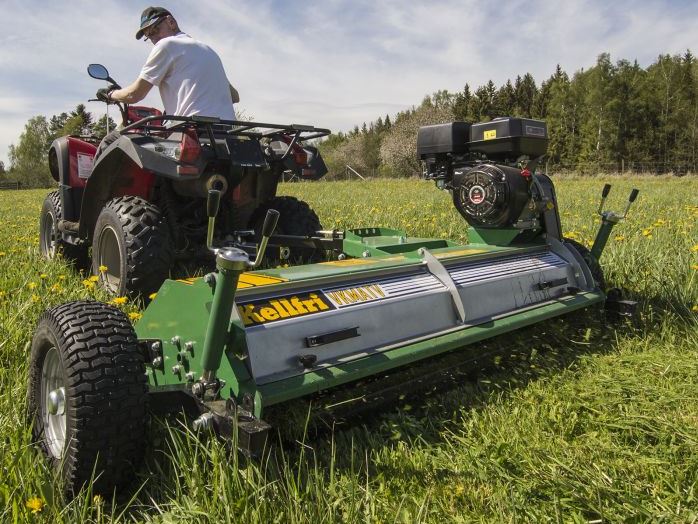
<point x="594" y="266"/>
<point x="132" y="241"/>
<point x="51" y="243"/>
<point x="87" y="395"/>
<point x="295" y="218"/>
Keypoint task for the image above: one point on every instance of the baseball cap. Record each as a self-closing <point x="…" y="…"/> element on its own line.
<point x="149" y="17"/>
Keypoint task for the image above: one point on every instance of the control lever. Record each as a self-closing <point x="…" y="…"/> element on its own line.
<point x="212" y="204"/>
<point x="267" y="229"/>
<point x="608" y="220"/>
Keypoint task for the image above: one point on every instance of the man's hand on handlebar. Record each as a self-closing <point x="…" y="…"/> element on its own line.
<point x="104" y="94"/>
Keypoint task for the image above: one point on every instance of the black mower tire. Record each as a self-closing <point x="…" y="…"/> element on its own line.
<point x="91" y="349"/>
<point x="594" y="266"/>
<point x="51" y="244"/>
<point x="296" y="217"/>
<point x="132" y="236"/>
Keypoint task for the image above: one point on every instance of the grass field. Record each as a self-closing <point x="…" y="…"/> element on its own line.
<point x="572" y="421"/>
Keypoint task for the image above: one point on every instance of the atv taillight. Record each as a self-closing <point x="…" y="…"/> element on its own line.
<point x="300" y="157"/>
<point x="189" y="147"/>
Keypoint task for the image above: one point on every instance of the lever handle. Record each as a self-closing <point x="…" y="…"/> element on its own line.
<point x="633" y="195"/>
<point x="270" y="222"/>
<point x="267" y="229"/>
<point x="213" y="202"/>
<point x="606" y="190"/>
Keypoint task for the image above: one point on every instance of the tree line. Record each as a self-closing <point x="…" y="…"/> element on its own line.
<point x="29" y="158"/>
<point x="612" y="117"/>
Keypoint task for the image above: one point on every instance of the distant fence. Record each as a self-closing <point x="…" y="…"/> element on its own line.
<point x="10" y="185"/>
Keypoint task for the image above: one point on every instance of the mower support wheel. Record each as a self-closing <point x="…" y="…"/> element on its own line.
<point x="87" y="394"/>
<point x="50" y="241"/>
<point x="594" y="266"/>
<point x="296" y="218"/>
<point x="132" y="241"/>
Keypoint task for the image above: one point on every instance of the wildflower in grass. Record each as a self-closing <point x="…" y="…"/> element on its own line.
<point x="119" y="301"/>
<point x="695" y="248"/>
<point x="695" y="307"/>
<point x="134" y="315"/>
<point x="694" y="267"/>
<point x="103" y="269"/>
<point x="89" y="284"/>
<point x="61" y="277"/>
<point x="93" y="278"/>
<point x="56" y="288"/>
<point x="619" y="238"/>
<point x="152" y="296"/>
<point x="647" y="232"/>
<point x="43" y="276"/>
<point x="31" y="285"/>
<point x="35" y="504"/>
<point x="2" y="253"/>
<point x="35" y="298"/>
<point x="97" y="500"/>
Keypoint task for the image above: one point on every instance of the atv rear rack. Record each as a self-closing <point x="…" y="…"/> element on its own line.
<point x="215" y="125"/>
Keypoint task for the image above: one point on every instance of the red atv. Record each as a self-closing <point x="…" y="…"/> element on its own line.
<point x="140" y="204"/>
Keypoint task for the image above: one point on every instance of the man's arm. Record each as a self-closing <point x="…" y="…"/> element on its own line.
<point x="234" y="94"/>
<point x="133" y="93"/>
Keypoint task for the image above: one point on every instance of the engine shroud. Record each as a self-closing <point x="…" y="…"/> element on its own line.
<point x="489" y="195"/>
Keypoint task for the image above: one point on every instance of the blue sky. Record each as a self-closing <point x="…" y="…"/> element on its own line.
<point x="332" y="63"/>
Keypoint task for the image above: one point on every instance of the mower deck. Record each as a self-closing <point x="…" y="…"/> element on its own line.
<point x="299" y="330"/>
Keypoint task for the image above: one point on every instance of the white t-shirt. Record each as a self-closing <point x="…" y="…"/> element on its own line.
<point x="190" y="77"/>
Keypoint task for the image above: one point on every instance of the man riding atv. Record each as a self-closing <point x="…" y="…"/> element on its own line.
<point x="136" y="205"/>
<point x="189" y="74"/>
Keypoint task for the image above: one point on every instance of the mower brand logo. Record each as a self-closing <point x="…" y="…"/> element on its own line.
<point x="355" y="295"/>
<point x="281" y="308"/>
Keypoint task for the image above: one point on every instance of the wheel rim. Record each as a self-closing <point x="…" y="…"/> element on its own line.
<point x="48" y="235"/>
<point x="110" y="257"/>
<point x="53" y="403"/>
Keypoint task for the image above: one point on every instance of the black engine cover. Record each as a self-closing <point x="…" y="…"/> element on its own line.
<point x="490" y="195"/>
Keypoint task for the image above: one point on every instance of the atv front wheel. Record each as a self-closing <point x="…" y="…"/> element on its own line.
<point x="295" y="218"/>
<point x="50" y="241"/>
<point x="131" y="247"/>
<point x="594" y="266"/>
<point x="87" y="394"/>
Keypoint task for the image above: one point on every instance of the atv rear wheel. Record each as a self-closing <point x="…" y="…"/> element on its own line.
<point x="296" y="218"/>
<point x="594" y="266"/>
<point x="50" y="241"/>
<point x="131" y="240"/>
<point x="87" y="394"/>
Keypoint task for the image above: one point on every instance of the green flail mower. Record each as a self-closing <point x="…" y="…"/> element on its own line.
<point x="226" y="346"/>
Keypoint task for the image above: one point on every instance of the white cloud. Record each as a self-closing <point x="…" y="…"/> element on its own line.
<point x="332" y="63"/>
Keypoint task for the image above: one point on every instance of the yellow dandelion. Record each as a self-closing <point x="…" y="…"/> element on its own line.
<point x="35" y="298"/>
<point x="619" y="238"/>
<point x="119" y="301"/>
<point x="2" y="253"/>
<point x="647" y="232"/>
<point x="2" y="294"/>
<point x="31" y="285"/>
<point x="103" y="269"/>
<point x="98" y="500"/>
<point x="133" y="315"/>
<point x="61" y="277"/>
<point x="152" y="296"/>
<point x="695" y="307"/>
<point x="695" y="248"/>
<point x="55" y="288"/>
<point x="93" y="278"/>
<point x="43" y="276"/>
<point x="694" y="267"/>
<point x="35" y="504"/>
<point x="89" y="284"/>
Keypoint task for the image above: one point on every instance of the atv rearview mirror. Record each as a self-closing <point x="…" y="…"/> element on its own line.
<point x="98" y="71"/>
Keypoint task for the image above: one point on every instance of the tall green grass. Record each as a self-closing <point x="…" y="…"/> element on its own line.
<point x="573" y="420"/>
